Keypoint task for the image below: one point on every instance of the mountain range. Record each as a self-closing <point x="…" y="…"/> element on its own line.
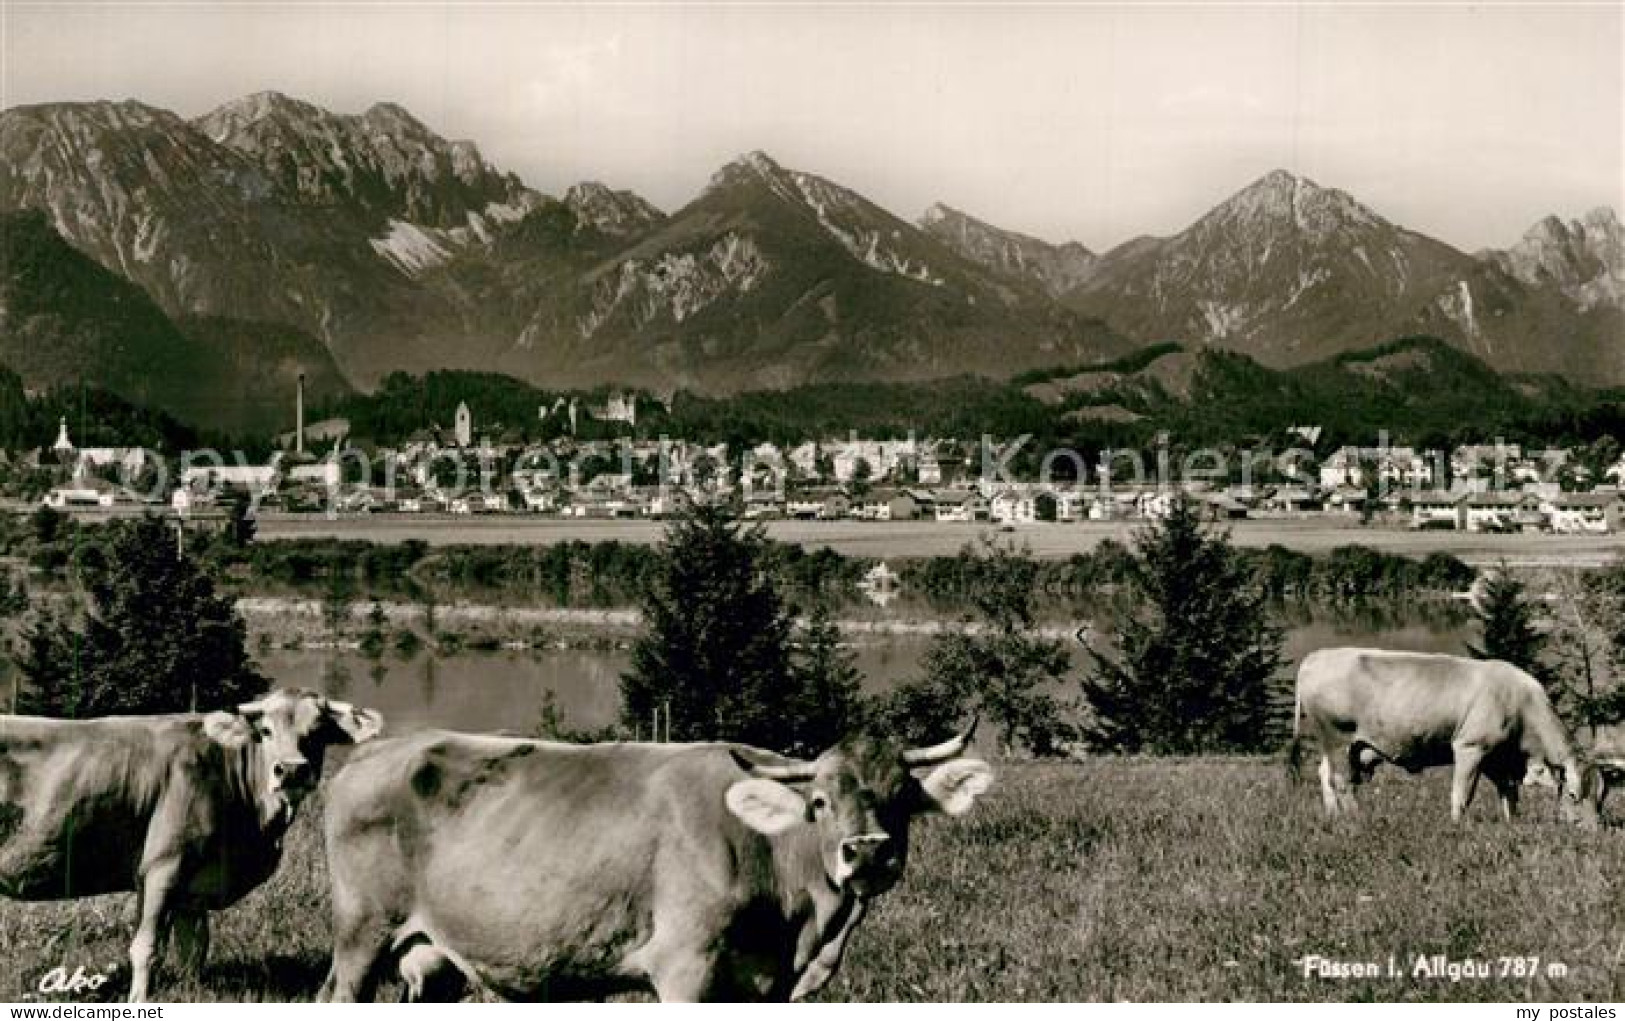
<point x="272" y="232"/>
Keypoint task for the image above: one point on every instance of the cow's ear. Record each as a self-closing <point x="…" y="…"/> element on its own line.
<point x="766" y="806"/>
<point x="227" y="729"/>
<point x="952" y="788"/>
<point x="354" y="722"/>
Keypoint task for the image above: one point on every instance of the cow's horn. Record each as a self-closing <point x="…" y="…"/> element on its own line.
<point x="789" y="771"/>
<point x="949" y="749"/>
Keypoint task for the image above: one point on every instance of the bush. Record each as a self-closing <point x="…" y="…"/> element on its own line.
<point x="1006" y="673"/>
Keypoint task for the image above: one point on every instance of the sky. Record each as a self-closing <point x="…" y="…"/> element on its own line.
<point x="1079" y="122"/>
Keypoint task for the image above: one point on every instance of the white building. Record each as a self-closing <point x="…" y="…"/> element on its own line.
<point x="88" y="493"/>
<point x="1495" y="511"/>
<point x="1013" y="507"/>
<point x="1474" y="459"/>
<point x="1155" y="504"/>
<point x="930" y="470"/>
<point x="1585" y="512"/>
<point x="804" y="457"/>
<point x="1615" y="473"/>
<point x="129" y="461"/>
<point x="881" y="456"/>
<point x="958" y="506"/>
<point x="1395" y="466"/>
<point x="1435" y="505"/>
<point x="1542" y="466"/>
<point x="322" y="473"/>
<point x="619" y="408"/>
<point x="245" y="476"/>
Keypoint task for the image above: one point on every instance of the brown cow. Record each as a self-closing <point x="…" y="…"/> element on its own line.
<point x="1363" y="707"/>
<point x="186" y="810"/>
<point x="703" y="871"/>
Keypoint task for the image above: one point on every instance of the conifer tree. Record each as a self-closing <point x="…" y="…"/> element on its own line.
<point x="1192" y="669"/>
<point x="156" y="635"/>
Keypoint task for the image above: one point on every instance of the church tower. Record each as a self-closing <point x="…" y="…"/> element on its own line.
<point x="464" y="426"/>
<point x="63" y="445"/>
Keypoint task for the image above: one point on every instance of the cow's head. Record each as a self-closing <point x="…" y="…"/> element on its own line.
<point x="859" y="798"/>
<point x="293" y="730"/>
<point x="1582" y="793"/>
<point x="1581" y="787"/>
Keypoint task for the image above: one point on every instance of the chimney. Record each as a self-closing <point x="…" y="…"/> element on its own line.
<point x="299" y="417"/>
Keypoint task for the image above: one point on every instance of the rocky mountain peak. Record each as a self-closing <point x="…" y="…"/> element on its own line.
<point x="394" y="115"/>
<point x="611" y="212"/>
<point x="1056" y="269"/>
<point x="1281" y="180"/>
<point x="755" y="165"/>
<point x="384" y="163"/>
<point x="1281" y="199"/>
<point x="100" y="115"/>
<point x="1547" y="230"/>
<point x="1584" y="258"/>
<point x="233" y="124"/>
<point x="1601" y="216"/>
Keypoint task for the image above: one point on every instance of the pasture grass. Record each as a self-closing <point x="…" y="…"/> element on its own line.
<point x="1193" y="879"/>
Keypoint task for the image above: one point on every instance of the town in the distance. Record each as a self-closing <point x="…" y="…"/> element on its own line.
<point x="464" y="469"/>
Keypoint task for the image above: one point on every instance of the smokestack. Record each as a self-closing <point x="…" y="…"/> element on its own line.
<point x="299" y="417"/>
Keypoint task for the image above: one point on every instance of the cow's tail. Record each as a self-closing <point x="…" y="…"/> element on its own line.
<point x="1294" y="748"/>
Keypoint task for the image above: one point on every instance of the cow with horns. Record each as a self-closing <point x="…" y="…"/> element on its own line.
<point x="532" y="869"/>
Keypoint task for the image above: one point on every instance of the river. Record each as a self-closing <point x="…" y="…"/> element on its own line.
<point x="506" y="689"/>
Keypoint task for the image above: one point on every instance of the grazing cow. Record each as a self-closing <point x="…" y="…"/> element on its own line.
<point x="186" y="810"/>
<point x="1363" y="707"/>
<point x="543" y="870"/>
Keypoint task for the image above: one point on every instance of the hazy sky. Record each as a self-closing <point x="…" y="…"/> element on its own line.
<point x="1095" y="123"/>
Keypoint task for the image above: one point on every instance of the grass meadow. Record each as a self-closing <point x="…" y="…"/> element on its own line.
<point x="883" y="539"/>
<point x="1110" y="879"/>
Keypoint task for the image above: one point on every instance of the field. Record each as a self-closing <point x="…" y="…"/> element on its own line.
<point x="935" y="539"/>
<point x="1102" y="880"/>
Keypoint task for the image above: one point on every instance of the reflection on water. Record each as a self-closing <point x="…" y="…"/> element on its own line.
<point x="466" y="691"/>
<point x="505" y="690"/>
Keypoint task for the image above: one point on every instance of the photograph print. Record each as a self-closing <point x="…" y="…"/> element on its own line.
<point x="886" y="501"/>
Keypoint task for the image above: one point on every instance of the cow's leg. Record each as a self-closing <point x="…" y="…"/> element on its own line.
<point x="1337" y="779"/>
<point x="158" y="886"/>
<point x="352" y="978"/>
<point x="1328" y="792"/>
<point x="1363" y="763"/>
<point x="191" y="936"/>
<point x="359" y="945"/>
<point x="683" y="965"/>
<point x="1469" y="760"/>
<point x="1508" y="789"/>
<point x="686" y="978"/>
<point x="1507" y="776"/>
<point x="428" y="976"/>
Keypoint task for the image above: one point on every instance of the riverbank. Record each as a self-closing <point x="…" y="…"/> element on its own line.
<point x="882" y="539"/>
